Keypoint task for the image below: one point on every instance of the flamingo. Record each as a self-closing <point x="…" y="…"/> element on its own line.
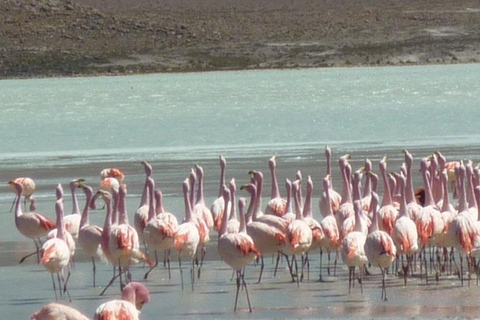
<point x="318" y="236"/>
<point x="134" y="296"/>
<point x="346" y="206"/>
<point x="203" y="216"/>
<point x="218" y="206"/>
<point x="405" y="235"/>
<point x="429" y="222"/>
<point x="379" y="247"/>
<point x="141" y="218"/>
<point x="330" y="229"/>
<point x="299" y="236"/>
<point x="353" y="252"/>
<point x="462" y="228"/>
<point x="112" y="173"/>
<point x="289" y="214"/>
<point x="72" y="221"/>
<point x="275" y="221"/>
<point x="187" y="236"/>
<point x="276" y="205"/>
<point x="236" y="249"/>
<point x="55" y="254"/>
<point x="123" y="239"/>
<point x="351" y="223"/>
<point x="413" y="208"/>
<point x="388" y="212"/>
<point x="28" y="189"/>
<point x="335" y="197"/>
<point x="56" y="311"/>
<point x="267" y="238"/>
<point x="367" y="190"/>
<point x="233" y="225"/>
<point x="158" y="232"/>
<point x="67" y="236"/>
<point x="32" y="225"/>
<point x="89" y="236"/>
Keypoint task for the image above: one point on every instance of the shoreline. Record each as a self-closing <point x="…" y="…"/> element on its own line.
<point x="53" y="38"/>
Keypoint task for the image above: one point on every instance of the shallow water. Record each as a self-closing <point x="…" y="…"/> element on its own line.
<point x="55" y="130"/>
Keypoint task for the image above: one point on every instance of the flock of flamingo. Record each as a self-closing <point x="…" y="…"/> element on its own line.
<point x="403" y="227"/>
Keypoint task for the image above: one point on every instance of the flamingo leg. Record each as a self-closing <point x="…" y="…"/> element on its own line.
<point x="65" y="286"/>
<point x="54" y="287"/>
<point x="242" y="274"/>
<point x="110" y="282"/>
<point x="94" y="271"/>
<point x="168" y="263"/>
<point x="59" y="285"/>
<point x="461" y="268"/>
<point x="349" y="279"/>
<point x="321" y="257"/>
<point x="361" y="278"/>
<point x="180" y="267"/>
<point x="204" y="252"/>
<point x="294" y="260"/>
<point x="238" y="290"/>
<point x="153" y="267"/>
<point x="193" y="275"/>
<point x="261" y="269"/>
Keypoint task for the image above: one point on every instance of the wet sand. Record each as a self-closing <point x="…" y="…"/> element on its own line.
<point x="26" y="287"/>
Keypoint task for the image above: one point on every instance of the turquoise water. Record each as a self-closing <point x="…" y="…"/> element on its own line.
<point x="174" y="114"/>
<point x="58" y="129"/>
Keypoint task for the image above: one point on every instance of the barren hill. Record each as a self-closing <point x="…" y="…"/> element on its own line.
<point x="87" y="37"/>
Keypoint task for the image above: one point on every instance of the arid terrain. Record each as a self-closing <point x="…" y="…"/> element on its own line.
<point x="87" y="37"/>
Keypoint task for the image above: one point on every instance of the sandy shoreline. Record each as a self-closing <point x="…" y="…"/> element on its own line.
<point x="110" y="37"/>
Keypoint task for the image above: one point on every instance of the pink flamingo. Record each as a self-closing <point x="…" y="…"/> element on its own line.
<point x="218" y="205"/>
<point x="413" y="208"/>
<point x="66" y="235"/>
<point x="275" y="221"/>
<point x="89" y="236"/>
<point x="55" y="311"/>
<point x="346" y="206"/>
<point x="141" y="218"/>
<point x="267" y="238"/>
<point x="160" y="229"/>
<point x="318" y="236"/>
<point x="28" y="189"/>
<point x="289" y="214"/>
<point x="112" y="173"/>
<point x="30" y="224"/>
<point x="353" y="252"/>
<point x="72" y="221"/>
<point x="299" y="236"/>
<point x="330" y="229"/>
<point x="405" y="235"/>
<point x="387" y="213"/>
<point x="429" y="222"/>
<point x="462" y="228"/>
<point x="187" y="237"/>
<point x="236" y="249"/>
<point x="134" y="297"/>
<point x="233" y="225"/>
<point x="379" y="247"/>
<point x="202" y="216"/>
<point x="367" y="190"/>
<point x="123" y="239"/>
<point x="55" y="254"/>
<point x="335" y="197"/>
<point x="276" y="205"/>
<point x="351" y="223"/>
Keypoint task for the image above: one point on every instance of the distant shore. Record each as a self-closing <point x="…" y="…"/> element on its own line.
<point x="49" y="38"/>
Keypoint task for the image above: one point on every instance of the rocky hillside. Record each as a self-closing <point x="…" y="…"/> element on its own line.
<point x="87" y="37"/>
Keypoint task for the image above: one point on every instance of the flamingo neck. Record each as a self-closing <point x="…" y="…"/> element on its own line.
<point x="159" y="203"/>
<point x="59" y="222"/>
<point x="85" y="220"/>
<point x="428" y="191"/>
<point x="151" y="203"/>
<point x="409" y="192"/>
<point x="200" y="190"/>
<point x="275" y="191"/>
<point x="243" y="224"/>
<point x="387" y="195"/>
<point x="223" y="227"/>
<point x="143" y="200"/>
<point x="307" y="209"/>
<point x="188" y="208"/>
<point x="75" y="207"/>
<point x="446" y="201"/>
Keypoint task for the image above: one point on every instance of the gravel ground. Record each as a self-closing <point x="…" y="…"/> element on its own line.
<point x="87" y="37"/>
